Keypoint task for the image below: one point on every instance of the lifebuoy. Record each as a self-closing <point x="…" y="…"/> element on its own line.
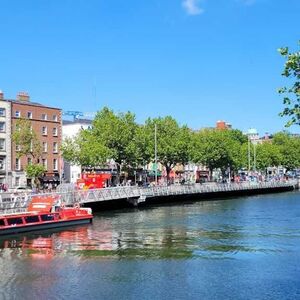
<point x="77" y="206"/>
<point x="62" y="205"/>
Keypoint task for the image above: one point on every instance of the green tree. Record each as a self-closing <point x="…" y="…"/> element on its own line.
<point x="267" y="155"/>
<point x="28" y="144"/>
<point x="216" y="148"/>
<point x="121" y="135"/>
<point x="27" y="141"/>
<point x="34" y="171"/>
<point x="289" y="148"/>
<point x="173" y="142"/>
<point x="291" y="94"/>
<point x="85" y="149"/>
<point x="112" y="136"/>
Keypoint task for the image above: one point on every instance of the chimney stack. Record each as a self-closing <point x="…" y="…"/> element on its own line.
<point x="23" y="96"/>
<point x="221" y="125"/>
<point x="1" y="95"/>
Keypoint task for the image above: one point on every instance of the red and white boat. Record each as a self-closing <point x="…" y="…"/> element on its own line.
<point x="44" y="212"/>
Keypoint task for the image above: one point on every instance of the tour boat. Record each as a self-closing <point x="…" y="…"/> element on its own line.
<point x="44" y="212"/>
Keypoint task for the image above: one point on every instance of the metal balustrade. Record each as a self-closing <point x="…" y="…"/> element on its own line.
<point x="15" y="203"/>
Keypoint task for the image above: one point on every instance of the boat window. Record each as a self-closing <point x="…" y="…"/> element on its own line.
<point x="47" y="217"/>
<point x="31" y="219"/>
<point x="14" y="221"/>
<point x="2" y="222"/>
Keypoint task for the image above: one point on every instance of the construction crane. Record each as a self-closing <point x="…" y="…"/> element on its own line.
<point x="79" y="114"/>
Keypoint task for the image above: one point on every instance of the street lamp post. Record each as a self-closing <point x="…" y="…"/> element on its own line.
<point x="254" y="156"/>
<point x="249" y="154"/>
<point x="155" y="150"/>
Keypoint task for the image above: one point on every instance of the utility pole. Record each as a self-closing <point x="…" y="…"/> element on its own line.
<point x="155" y="150"/>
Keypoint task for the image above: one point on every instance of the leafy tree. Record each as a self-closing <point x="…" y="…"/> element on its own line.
<point x="25" y="137"/>
<point x="85" y="149"/>
<point x="267" y="155"/>
<point x="289" y="148"/>
<point x="173" y="142"/>
<point x="291" y="94"/>
<point x="112" y="136"/>
<point x="121" y="135"/>
<point x="34" y="171"/>
<point x="216" y="148"/>
<point x="29" y="145"/>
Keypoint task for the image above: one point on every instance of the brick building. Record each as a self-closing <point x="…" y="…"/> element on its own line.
<point x="47" y="124"/>
<point x="223" y="125"/>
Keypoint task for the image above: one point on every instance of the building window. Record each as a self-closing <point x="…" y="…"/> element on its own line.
<point x="55" y="164"/>
<point x="18" y="148"/>
<point x="54" y="118"/>
<point x="18" y="164"/>
<point x="2" y="144"/>
<point x="45" y="147"/>
<point x="17" y="181"/>
<point x="54" y="131"/>
<point x="2" y="126"/>
<point x="2" y="163"/>
<point x="2" y="112"/>
<point x="44" y="163"/>
<point x="17" y="114"/>
<point x="55" y="148"/>
<point x="29" y="160"/>
<point x="44" y="130"/>
<point x="44" y="117"/>
<point x="29" y="115"/>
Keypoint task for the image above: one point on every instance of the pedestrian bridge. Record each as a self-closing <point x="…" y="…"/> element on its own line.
<point x="137" y="195"/>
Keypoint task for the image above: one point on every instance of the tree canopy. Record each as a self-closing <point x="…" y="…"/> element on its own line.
<point x="216" y="148"/>
<point x="291" y="93"/>
<point x="173" y="142"/>
<point x="85" y="149"/>
<point x="28" y="145"/>
<point x="289" y="148"/>
<point x="26" y="139"/>
<point x="117" y="136"/>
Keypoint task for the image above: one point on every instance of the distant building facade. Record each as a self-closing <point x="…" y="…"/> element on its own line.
<point x="70" y="129"/>
<point x="46" y="123"/>
<point x="5" y="141"/>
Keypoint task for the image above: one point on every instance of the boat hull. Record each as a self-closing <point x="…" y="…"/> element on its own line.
<point x="42" y="226"/>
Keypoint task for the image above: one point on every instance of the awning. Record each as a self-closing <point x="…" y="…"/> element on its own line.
<point x="49" y="178"/>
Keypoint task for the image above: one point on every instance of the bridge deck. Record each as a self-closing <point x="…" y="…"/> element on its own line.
<point x="136" y="195"/>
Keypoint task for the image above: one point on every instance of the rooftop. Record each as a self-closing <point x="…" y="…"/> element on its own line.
<point x="29" y="103"/>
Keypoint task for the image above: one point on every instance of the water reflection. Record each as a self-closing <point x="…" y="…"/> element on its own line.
<point x="245" y="248"/>
<point x="208" y="230"/>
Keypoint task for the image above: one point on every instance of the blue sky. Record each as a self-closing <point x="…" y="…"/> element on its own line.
<point x="199" y="61"/>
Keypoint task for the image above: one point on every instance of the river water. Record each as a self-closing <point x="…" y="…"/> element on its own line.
<point x="242" y="248"/>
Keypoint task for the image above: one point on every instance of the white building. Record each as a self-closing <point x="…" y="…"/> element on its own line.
<point x="5" y="141"/>
<point x="253" y="135"/>
<point x="69" y="130"/>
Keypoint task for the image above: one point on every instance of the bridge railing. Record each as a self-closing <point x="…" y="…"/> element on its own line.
<point x="13" y="203"/>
